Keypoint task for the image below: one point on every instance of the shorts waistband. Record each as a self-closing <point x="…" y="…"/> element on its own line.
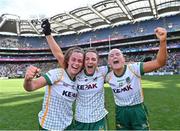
<point x="131" y="106"/>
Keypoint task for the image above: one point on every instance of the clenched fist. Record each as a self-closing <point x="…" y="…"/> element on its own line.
<point x="46" y="27"/>
<point x="161" y="33"/>
<point x="31" y="72"/>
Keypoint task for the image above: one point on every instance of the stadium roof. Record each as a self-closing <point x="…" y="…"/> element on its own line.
<point x="100" y="15"/>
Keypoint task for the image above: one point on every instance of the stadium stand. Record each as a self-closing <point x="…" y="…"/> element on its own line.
<point x="136" y="39"/>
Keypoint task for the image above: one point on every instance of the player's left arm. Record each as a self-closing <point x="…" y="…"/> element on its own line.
<point x="55" y="48"/>
<point x="161" y="57"/>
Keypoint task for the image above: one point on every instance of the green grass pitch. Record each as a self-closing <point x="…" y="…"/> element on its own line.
<point x="19" y="109"/>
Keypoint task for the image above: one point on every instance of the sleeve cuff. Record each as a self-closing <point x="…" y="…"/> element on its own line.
<point x="141" y="68"/>
<point x="47" y="79"/>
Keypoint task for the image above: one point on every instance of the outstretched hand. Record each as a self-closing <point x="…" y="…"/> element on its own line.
<point x="161" y="33"/>
<point x="46" y="27"/>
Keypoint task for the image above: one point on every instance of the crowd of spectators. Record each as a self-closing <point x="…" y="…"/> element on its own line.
<point x="172" y="65"/>
<point x="132" y="53"/>
<point x="12" y="43"/>
<point x="18" y="70"/>
<point x="173" y="62"/>
<point x="120" y="32"/>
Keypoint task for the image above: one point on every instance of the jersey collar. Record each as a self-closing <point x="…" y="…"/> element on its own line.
<point x="125" y="67"/>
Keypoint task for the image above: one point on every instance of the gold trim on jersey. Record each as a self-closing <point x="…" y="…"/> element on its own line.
<point x="133" y="71"/>
<point x="47" y="106"/>
<point x="142" y="92"/>
<point x="61" y="77"/>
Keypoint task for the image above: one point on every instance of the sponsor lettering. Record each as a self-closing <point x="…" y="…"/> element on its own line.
<point x="119" y="90"/>
<point x="87" y="87"/>
<point x="69" y="94"/>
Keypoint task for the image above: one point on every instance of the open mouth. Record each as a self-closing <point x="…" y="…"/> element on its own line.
<point x="116" y="62"/>
<point x="90" y="67"/>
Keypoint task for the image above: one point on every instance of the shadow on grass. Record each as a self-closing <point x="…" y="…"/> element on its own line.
<point x="21" y="116"/>
<point x="162" y="103"/>
<point x="19" y="97"/>
<point x="167" y="81"/>
<point x="164" y="108"/>
<point x="110" y="106"/>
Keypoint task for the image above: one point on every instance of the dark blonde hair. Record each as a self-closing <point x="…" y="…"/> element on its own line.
<point x="69" y="52"/>
<point x="92" y="50"/>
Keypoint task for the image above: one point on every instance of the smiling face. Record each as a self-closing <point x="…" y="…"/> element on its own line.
<point x="116" y="59"/>
<point x="75" y="63"/>
<point x="90" y="62"/>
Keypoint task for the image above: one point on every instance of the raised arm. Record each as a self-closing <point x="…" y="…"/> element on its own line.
<point x="55" y="48"/>
<point x="31" y="84"/>
<point x="162" y="53"/>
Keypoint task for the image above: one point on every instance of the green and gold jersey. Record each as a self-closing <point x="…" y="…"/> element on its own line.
<point x="90" y="100"/>
<point x="127" y="88"/>
<point x="56" y="113"/>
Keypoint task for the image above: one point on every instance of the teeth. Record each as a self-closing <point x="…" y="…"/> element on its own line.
<point x="74" y="67"/>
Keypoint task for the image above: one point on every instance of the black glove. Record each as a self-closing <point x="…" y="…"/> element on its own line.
<point x="46" y="27"/>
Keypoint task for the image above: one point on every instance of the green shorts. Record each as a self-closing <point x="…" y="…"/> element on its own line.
<point x="99" y="125"/>
<point x="132" y="117"/>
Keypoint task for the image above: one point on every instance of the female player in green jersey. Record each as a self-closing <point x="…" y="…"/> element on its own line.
<point x="60" y="93"/>
<point x="125" y="81"/>
<point x="90" y="112"/>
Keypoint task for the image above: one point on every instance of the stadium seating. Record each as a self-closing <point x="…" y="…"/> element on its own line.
<point x="136" y="40"/>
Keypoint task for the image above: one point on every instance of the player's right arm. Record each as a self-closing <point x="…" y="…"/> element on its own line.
<point x="30" y="83"/>
<point x="55" y="48"/>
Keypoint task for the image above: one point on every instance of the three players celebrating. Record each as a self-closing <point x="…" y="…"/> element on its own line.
<point x="87" y="87"/>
